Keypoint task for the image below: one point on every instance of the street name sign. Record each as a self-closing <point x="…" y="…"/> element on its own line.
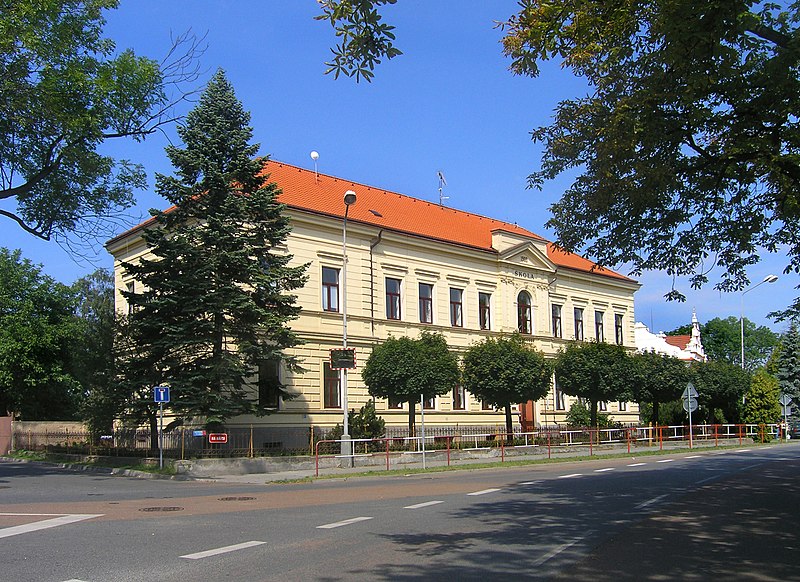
<point x="218" y="437"/>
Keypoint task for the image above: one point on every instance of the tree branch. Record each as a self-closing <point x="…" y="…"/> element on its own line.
<point x="35" y="232"/>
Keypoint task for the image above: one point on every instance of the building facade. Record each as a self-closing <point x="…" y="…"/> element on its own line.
<point x="413" y="265"/>
<point x="687" y="347"/>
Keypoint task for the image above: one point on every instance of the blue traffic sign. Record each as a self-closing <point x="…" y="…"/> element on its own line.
<point x="161" y="393"/>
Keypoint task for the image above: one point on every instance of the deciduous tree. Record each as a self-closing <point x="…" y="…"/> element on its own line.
<point x="596" y="372"/>
<point x="64" y="92"/>
<point x="762" y="404"/>
<point x="407" y="370"/>
<point x="720" y="388"/>
<point x="505" y="371"/>
<point x="38" y="328"/>
<point x="659" y="379"/>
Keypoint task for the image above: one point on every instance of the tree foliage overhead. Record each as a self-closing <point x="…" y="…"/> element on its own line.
<point x="407" y="370"/>
<point x="722" y="341"/>
<point x="595" y="371"/>
<point x="686" y="148"/>
<point x="63" y="92"/>
<point x="505" y="371"/>
<point x="216" y="301"/>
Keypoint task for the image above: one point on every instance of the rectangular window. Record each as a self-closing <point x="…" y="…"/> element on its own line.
<point x="578" y="324"/>
<point x="393" y="404"/>
<point x="330" y="289"/>
<point x="130" y="288"/>
<point x="269" y="383"/>
<point x="484" y="310"/>
<point x="456" y="315"/>
<point x="459" y="398"/>
<point x="618" y="329"/>
<point x="486" y="406"/>
<point x="598" y="325"/>
<point x="559" y="397"/>
<point x="425" y="303"/>
<point x="623" y="406"/>
<point x="429" y="403"/>
<point x="557" y="321"/>
<point x="602" y="406"/>
<point x="392" y="298"/>
<point x="332" y="396"/>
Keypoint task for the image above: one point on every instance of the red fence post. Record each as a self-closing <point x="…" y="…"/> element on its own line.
<point x="716" y="435"/>
<point x="660" y="438"/>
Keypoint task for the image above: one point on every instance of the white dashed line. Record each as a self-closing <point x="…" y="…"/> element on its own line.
<point x="530" y="482"/>
<point x="744" y="450"/>
<point x="344" y="522"/>
<point x="636" y="464"/>
<point x="665" y="461"/>
<point x="552" y="554"/>
<point x="225" y="550"/>
<point x="604" y="470"/>
<point x="45" y="524"/>
<point x="694" y="457"/>
<point x="484" y="492"/>
<point x="650" y="501"/>
<point x="421" y="505"/>
<point x="569" y="476"/>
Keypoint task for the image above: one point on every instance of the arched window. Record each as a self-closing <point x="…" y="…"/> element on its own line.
<point x="524" y="322"/>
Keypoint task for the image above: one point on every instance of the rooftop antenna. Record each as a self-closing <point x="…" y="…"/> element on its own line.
<point x="442" y="182"/>
<point x="315" y="156"/>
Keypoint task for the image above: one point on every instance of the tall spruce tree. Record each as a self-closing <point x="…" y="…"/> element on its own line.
<point x="212" y="318"/>
<point x="789" y="364"/>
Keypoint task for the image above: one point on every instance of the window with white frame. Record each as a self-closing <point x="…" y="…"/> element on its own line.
<point x="578" y="324"/>
<point x="623" y="406"/>
<point x="598" y="325"/>
<point x="484" y="310"/>
<point x="332" y="393"/>
<point x="524" y="320"/>
<point x="392" y="298"/>
<point x="618" y="329"/>
<point x="425" y="303"/>
<point x="556" y="311"/>
<point x="456" y="307"/>
<point x="330" y="289"/>
<point x="459" y="398"/>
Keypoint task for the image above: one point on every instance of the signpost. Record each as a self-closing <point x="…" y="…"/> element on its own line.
<point x="786" y="409"/>
<point x="689" y="398"/>
<point x="161" y="395"/>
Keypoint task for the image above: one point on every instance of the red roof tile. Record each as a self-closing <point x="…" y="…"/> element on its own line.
<point x="319" y="193"/>
<point x="679" y="341"/>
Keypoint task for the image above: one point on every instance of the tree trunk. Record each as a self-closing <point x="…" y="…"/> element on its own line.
<point x="593" y="413"/>
<point x="509" y="424"/>
<point x="411" y="415"/>
<point x="153" y="421"/>
<point x="654" y="418"/>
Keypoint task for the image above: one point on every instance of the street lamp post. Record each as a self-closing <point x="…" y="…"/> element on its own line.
<point x="767" y="279"/>
<point x="349" y="199"/>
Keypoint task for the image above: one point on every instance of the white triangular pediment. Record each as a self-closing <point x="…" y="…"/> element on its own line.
<point x="528" y="255"/>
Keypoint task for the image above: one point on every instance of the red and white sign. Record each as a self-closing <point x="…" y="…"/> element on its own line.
<point x="218" y="437"/>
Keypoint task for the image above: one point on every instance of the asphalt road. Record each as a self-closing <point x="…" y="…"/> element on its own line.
<point x="683" y="516"/>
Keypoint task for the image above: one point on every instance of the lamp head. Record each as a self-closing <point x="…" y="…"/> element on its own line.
<point x="770" y="278"/>
<point x="349" y="198"/>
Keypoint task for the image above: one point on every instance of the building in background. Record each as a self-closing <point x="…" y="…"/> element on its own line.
<point x="684" y="347"/>
<point x="415" y="265"/>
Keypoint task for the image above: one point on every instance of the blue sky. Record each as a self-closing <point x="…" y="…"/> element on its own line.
<point x="447" y="104"/>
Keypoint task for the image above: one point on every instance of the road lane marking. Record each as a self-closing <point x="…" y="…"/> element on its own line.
<point x="343" y="522"/>
<point x="484" y="492"/>
<point x="569" y="476"/>
<point x="744" y="450"/>
<point x="552" y="554"/>
<point x="225" y="550"/>
<point x="421" y="505"/>
<point x="636" y="464"/>
<point x="604" y="470"/>
<point x="530" y="482"/>
<point x="651" y="501"/>
<point x="694" y="456"/>
<point x="665" y="461"/>
<point x="62" y="519"/>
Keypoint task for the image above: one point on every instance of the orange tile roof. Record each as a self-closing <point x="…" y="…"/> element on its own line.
<point x="319" y="193"/>
<point x="679" y="341"/>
